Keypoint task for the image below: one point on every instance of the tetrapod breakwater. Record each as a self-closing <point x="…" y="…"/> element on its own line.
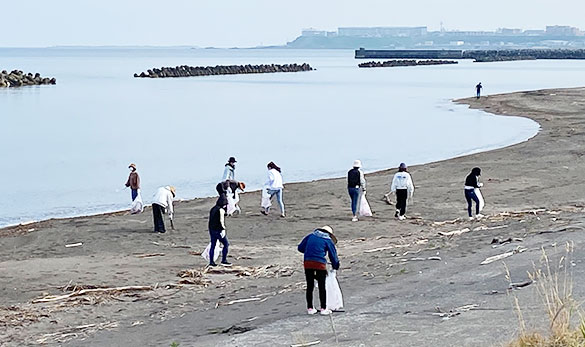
<point x="395" y="63"/>
<point x="193" y="71"/>
<point x="17" y="78"/>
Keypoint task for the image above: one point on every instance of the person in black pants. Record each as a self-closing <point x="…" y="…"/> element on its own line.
<point x="315" y="247"/>
<point x="471" y="184"/>
<point x="217" y="231"/>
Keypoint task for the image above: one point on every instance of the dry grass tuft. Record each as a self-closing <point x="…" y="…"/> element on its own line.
<point x="554" y="286"/>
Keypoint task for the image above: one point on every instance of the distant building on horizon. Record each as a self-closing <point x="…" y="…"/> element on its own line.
<point x="382" y="31"/>
<point x="563" y="30"/>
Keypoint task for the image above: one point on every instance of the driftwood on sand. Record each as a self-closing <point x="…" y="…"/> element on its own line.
<point x="53" y="298"/>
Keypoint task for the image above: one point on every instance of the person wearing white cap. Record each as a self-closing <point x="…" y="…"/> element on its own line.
<point x="163" y="199"/>
<point x="315" y="247"/>
<point x="404" y="188"/>
<point x="356" y="185"/>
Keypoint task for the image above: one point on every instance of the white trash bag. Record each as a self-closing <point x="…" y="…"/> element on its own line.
<point x="364" y="207"/>
<point x="137" y="205"/>
<point x="480" y="197"/>
<point x="232" y="202"/>
<point x="334" y="296"/>
<point x="218" y="249"/>
<point x="265" y="198"/>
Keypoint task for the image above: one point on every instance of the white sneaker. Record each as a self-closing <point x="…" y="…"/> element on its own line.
<point x="325" y="312"/>
<point x="479" y="215"/>
<point x="401" y="217"/>
<point x="311" y="311"/>
<point x="354" y="219"/>
<point x="470" y="218"/>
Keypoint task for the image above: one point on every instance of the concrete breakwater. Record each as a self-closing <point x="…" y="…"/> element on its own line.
<point x="191" y="71"/>
<point x="393" y="63"/>
<point x="17" y="78"/>
<point x="477" y="55"/>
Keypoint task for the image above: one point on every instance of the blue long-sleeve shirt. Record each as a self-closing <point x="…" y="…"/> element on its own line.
<point x="316" y="246"/>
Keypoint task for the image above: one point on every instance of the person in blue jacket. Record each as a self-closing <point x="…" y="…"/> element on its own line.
<point x="315" y="247"/>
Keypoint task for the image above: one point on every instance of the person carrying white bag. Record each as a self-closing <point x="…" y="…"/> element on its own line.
<point x="472" y="193"/>
<point x="315" y="247"/>
<point x="364" y="209"/>
<point x="137" y="205"/>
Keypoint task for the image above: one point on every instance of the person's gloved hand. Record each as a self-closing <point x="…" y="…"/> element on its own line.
<point x="480" y="185"/>
<point x="222" y="234"/>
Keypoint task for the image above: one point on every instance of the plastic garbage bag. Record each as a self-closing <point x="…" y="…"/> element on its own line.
<point x="265" y="198"/>
<point x="137" y="205"/>
<point x="480" y="197"/>
<point x="216" y="251"/>
<point x="232" y="201"/>
<point x="364" y="208"/>
<point x="334" y="296"/>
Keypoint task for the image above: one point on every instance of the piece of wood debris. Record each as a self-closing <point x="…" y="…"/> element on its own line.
<point x="378" y="249"/>
<point x="520" y="284"/>
<point x="148" y="255"/>
<point x="306" y="344"/>
<point x="454" y="232"/>
<point x="180" y="246"/>
<point x="239" y="301"/>
<point x="52" y="298"/>
<point x="74" y="245"/>
<point x="195" y="252"/>
<point x="453" y="221"/>
<point x="503" y="255"/>
<point x="485" y="227"/>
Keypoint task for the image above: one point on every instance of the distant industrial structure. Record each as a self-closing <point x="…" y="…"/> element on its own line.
<point x="554" y="36"/>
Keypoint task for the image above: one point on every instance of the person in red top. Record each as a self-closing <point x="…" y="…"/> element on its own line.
<point x="133" y="181"/>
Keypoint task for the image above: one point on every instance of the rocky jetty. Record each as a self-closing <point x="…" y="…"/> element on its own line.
<point x="191" y="71"/>
<point x="394" y="63"/>
<point x="18" y="78"/>
<point x="523" y="54"/>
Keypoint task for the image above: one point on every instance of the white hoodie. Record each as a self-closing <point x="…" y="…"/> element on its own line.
<point x="164" y="198"/>
<point x="274" y="180"/>
<point x="402" y="180"/>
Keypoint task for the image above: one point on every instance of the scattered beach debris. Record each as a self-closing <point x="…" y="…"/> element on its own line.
<point x="453" y="221"/>
<point x="74" y="245"/>
<point x="148" y="255"/>
<point x="74" y="332"/>
<point x="503" y="255"/>
<point x="194" y="277"/>
<point x="306" y="344"/>
<point x="497" y="241"/>
<point x="112" y="290"/>
<point x="454" y="312"/>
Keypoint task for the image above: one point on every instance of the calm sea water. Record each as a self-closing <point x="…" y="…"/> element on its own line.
<point x="65" y="148"/>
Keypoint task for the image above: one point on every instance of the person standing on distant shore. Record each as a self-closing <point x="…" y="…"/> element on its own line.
<point x="229" y="173"/>
<point x="478" y="89"/>
<point x="217" y="231"/>
<point x="274" y="186"/>
<point x="472" y="193"/>
<point x="356" y="186"/>
<point x="404" y="188"/>
<point x="315" y="247"/>
<point x="133" y="181"/>
<point x="163" y="200"/>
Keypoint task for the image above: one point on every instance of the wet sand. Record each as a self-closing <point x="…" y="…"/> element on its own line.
<point x="403" y="283"/>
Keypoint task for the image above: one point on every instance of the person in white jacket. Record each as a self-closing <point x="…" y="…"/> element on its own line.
<point x="274" y="187"/>
<point x="404" y="188"/>
<point x="163" y="200"/>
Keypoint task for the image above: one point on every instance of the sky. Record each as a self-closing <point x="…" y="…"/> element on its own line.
<point x="246" y="23"/>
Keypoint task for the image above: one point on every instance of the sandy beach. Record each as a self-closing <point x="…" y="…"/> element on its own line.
<point x="404" y="284"/>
